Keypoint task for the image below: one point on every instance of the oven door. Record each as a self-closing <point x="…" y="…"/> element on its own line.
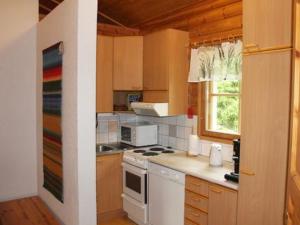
<point x="135" y="182"/>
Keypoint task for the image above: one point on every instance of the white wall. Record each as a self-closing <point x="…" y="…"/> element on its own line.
<point x="18" y="164"/>
<point x="74" y="23"/>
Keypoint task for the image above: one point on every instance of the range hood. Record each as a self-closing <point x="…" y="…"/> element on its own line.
<point x="150" y="109"/>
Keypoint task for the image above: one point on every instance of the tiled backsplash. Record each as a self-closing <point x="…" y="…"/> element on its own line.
<point x="172" y="131"/>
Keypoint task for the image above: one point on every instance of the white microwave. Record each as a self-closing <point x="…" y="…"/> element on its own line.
<point x="139" y="134"/>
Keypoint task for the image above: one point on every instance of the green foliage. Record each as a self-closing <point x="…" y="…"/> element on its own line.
<point x="228" y="107"/>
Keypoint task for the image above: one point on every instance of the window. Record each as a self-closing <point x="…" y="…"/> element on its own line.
<point x="220" y="109"/>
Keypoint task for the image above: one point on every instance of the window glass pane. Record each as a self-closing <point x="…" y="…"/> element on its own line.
<point x="226" y="87"/>
<point x="225" y="111"/>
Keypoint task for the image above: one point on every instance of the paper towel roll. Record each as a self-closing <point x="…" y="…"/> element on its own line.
<point x="194" y="145"/>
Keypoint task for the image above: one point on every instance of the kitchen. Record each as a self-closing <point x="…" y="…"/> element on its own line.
<point x="196" y="119"/>
<point x="157" y="130"/>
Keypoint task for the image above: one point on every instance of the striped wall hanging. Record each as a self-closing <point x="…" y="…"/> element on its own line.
<point x="52" y="120"/>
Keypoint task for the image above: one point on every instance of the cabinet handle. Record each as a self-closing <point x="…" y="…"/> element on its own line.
<point x="216" y="191"/>
<point x="197" y="185"/>
<point x="247" y="172"/>
<point x="250" y="47"/>
<point x="136" y="88"/>
<point x="195" y="214"/>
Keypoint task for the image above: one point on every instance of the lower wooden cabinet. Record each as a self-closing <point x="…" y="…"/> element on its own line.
<point x="209" y="204"/>
<point x="222" y="206"/>
<point x="109" y="187"/>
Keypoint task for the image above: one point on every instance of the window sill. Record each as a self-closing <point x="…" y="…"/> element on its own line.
<point x="215" y="139"/>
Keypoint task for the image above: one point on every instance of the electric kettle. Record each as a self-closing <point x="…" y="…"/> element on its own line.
<point x="215" y="157"/>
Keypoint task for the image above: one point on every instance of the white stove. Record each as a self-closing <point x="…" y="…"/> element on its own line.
<point x="139" y="157"/>
<point x="136" y="181"/>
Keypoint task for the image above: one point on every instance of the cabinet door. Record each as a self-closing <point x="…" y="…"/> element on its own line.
<point x="109" y="183"/>
<point x="267" y="23"/>
<point x="222" y="206"/>
<point x="104" y="89"/>
<point x="156" y="61"/>
<point x="128" y="63"/>
<point x="264" y="138"/>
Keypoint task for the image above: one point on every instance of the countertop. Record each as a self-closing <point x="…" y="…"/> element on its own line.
<point x="197" y="167"/>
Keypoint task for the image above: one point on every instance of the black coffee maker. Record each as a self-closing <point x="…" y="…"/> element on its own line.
<point x="234" y="176"/>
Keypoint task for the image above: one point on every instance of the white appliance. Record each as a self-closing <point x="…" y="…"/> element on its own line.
<point x="136" y="181"/>
<point x="150" y="109"/>
<point x="166" y="196"/>
<point x="215" y="157"/>
<point x="139" y="133"/>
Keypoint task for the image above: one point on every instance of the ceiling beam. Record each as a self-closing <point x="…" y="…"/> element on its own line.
<point x="55" y="1"/>
<point x="113" y="30"/>
<point x="111" y="19"/>
<point x="45" y="7"/>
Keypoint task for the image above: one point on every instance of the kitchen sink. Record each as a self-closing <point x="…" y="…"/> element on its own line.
<point x="103" y="148"/>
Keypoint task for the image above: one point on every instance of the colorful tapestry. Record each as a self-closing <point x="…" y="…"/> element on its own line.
<point x="52" y="112"/>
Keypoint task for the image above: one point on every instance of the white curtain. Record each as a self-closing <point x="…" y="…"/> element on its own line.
<point x="213" y="63"/>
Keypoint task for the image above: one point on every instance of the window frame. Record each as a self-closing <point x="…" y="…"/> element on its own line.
<point x="202" y="131"/>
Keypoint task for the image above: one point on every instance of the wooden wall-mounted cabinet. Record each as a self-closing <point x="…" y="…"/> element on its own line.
<point x="267" y="24"/>
<point x="209" y="204"/>
<point x="166" y="69"/>
<point x="104" y="78"/>
<point x="128" y="63"/>
<point x="109" y="186"/>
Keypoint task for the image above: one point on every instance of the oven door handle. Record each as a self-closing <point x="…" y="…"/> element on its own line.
<point x="133" y="168"/>
<point x="132" y="201"/>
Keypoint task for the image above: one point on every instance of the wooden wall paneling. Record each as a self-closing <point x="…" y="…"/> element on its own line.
<point x="264" y="135"/>
<point x="104" y="77"/>
<point x="215" y="27"/>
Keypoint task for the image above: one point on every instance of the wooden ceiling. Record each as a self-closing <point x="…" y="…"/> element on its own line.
<point x="206" y="20"/>
<point x="130" y="13"/>
<point x="133" y="13"/>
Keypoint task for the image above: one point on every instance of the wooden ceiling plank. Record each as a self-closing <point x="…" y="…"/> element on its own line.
<point x="234" y="9"/>
<point x="163" y="14"/>
<point x="190" y="11"/>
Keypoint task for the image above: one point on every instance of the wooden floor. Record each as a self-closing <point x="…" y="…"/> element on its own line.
<point x="119" y="221"/>
<point x="28" y="211"/>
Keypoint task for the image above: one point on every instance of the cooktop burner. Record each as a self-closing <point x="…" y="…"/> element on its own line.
<point x="156" y="149"/>
<point x="139" y="151"/>
<point x="167" y="151"/>
<point x="150" y="154"/>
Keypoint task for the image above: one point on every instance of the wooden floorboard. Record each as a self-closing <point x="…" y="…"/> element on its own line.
<point x="118" y="221"/>
<point x="27" y="211"/>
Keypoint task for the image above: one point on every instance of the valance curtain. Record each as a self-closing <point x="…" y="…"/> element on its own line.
<point x="216" y="63"/>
